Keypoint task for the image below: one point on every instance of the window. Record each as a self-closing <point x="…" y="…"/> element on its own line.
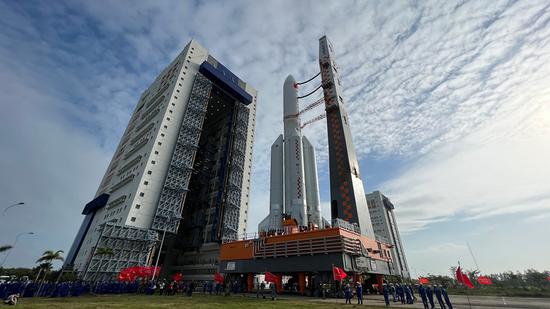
<point x="168" y="118"/>
<point x="156" y="152"/>
<point x="141" y="194"/>
<point x="177" y="90"/>
<point x="170" y="111"/>
<point x="173" y="104"/>
<point x="133" y="219"/>
<point x="159" y="143"/>
<point x="162" y="134"/>
<point x="145" y="182"/>
<point x="153" y="162"/>
<point x="166" y="127"/>
<point x="138" y="206"/>
<point x="149" y="172"/>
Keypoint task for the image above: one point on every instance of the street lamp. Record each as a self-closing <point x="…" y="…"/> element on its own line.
<point x="13" y="246"/>
<point x="171" y="218"/>
<point x="11" y="206"/>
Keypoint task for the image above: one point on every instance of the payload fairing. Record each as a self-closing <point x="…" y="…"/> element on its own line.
<point x="294" y="189"/>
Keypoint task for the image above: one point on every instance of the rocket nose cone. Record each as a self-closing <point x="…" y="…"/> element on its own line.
<point x="290" y="82"/>
<point x="290" y="78"/>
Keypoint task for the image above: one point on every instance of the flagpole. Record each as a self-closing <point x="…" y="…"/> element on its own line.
<point x="472" y="254"/>
<point x="466" y="293"/>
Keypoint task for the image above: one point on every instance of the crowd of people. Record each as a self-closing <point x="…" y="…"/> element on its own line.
<point x="404" y="293"/>
<point x="11" y="291"/>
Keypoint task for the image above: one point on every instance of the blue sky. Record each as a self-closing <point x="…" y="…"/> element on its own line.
<point x="449" y="107"/>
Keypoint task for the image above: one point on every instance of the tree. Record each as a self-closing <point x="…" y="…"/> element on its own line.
<point x="5" y="248"/>
<point x="46" y="260"/>
<point x="49" y="256"/>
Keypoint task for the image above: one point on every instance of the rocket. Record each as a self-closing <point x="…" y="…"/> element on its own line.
<point x="294" y="189"/>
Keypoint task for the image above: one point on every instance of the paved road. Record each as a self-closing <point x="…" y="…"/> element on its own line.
<point x="459" y="302"/>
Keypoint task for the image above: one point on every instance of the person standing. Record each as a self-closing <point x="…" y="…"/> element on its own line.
<point x="439" y="297"/>
<point x="273" y="288"/>
<point x="412" y="292"/>
<point x="408" y="294"/>
<point x="161" y="287"/>
<point x="430" y="295"/>
<point x="393" y="293"/>
<point x="401" y="293"/>
<point x="260" y="290"/>
<point x="359" y="291"/>
<point x="386" y="296"/>
<point x="347" y="294"/>
<point x="446" y="297"/>
<point x="423" y="296"/>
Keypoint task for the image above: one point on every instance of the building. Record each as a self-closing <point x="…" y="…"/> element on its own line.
<point x="385" y="229"/>
<point x="180" y="175"/>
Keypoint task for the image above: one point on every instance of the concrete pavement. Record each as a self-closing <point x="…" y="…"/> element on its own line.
<point x="458" y="301"/>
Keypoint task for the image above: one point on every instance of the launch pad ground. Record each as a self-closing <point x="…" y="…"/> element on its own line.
<point x="250" y="301"/>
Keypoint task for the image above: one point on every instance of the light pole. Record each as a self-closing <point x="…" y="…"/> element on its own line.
<point x="11" y="206"/>
<point x="172" y="218"/>
<point x="13" y="246"/>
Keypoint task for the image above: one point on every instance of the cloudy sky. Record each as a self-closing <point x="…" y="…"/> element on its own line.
<point x="449" y="105"/>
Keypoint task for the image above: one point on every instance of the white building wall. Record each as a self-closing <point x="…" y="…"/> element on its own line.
<point x="386" y="230"/>
<point x="245" y="193"/>
<point x="143" y="191"/>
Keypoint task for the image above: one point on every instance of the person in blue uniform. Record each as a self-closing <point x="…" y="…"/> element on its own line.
<point x="430" y="295"/>
<point x="446" y="297"/>
<point x="408" y="295"/>
<point x="359" y="291"/>
<point x="437" y="291"/>
<point x="423" y="296"/>
<point x="386" y="295"/>
<point x="401" y="293"/>
<point x="393" y="293"/>
<point x="347" y="294"/>
<point x="411" y="288"/>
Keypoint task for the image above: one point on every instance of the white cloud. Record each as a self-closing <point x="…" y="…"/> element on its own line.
<point x="462" y="87"/>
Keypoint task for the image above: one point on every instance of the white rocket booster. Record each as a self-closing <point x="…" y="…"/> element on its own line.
<point x="294" y="189"/>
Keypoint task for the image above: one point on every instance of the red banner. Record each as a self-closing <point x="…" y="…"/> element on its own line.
<point x="484" y="280"/>
<point x="548" y="278"/>
<point x="269" y="277"/>
<point x="422" y="280"/>
<point x="134" y="272"/>
<point x="218" y="277"/>
<point x="463" y="278"/>
<point x="338" y="273"/>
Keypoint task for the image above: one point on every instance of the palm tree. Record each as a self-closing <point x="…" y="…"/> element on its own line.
<point x="46" y="260"/>
<point x="50" y="256"/>
<point x="5" y="248"/>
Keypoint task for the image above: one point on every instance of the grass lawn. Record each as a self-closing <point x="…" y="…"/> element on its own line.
<point x="144" y="301"/>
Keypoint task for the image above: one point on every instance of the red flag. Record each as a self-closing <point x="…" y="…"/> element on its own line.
<point x="218" y="277"/>
<point x="338" y="273"/>
<point x="177" y="277"/>
<point x="269" y="277"/>
<point x="423" y="280"/>
<point x="548" y="278"/>
<point x="463" y="278"/>
<point x="484" y="280"/>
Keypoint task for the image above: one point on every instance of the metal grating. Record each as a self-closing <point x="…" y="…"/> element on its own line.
<point x="131" y="246"/>
<point x="235" y="178"/>
<point x="177" y="179"/>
